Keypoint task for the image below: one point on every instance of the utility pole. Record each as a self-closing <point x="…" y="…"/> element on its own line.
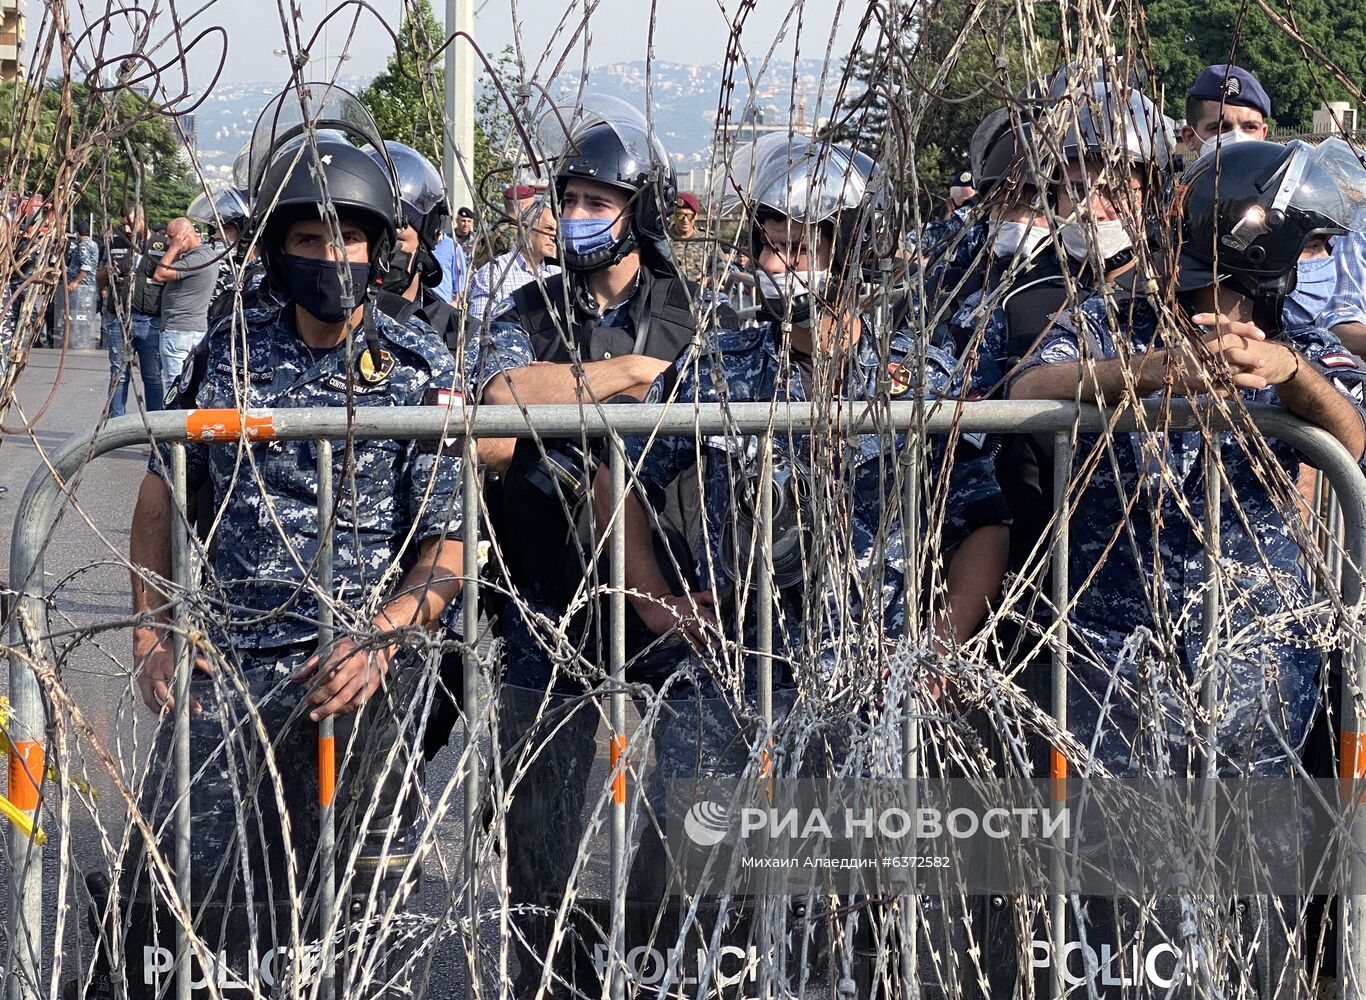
<point x="459" y="105"/>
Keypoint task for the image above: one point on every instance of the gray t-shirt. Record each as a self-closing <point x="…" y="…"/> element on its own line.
<point x="185" y="301"/>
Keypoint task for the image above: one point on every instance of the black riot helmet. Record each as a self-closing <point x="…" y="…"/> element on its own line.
<point x="421" y="192"/>
<point x="997" y="145"/>
<point x="423" y="206"/>
<point x="608" y="142"/>
<point x="1249" y="208"/>
<point x="292" y="188"/>
<point x="226" y="209"/>
<point x="311" y="145"/>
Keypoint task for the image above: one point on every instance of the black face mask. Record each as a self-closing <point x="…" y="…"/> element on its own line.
<point x="402" y="267"/>
<point x="316" y="286"/>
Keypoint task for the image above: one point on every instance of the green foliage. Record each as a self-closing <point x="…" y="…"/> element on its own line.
<point x="407" y="99"/>
<point x="139" y="152"/>
<point x="957" y="63"/>
<point x="1188" y="35"/>
<point x="496" y="143"/>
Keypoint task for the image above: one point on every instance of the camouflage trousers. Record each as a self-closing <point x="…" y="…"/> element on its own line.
<point x="255" y="821"/>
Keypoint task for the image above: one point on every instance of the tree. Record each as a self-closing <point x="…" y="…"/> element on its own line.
<point x="1188" y="35"/>
<point x="958" y="63"/>
<point x="140" y="156"/>
<point x="408" y="99"/>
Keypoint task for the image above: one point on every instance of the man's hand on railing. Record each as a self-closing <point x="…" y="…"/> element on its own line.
<point x="154" y="660"/>
<point x="694" y="615"/>
<point x="348" y="676"/>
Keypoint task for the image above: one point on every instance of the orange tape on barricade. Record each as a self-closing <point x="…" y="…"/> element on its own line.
<point x="1352" y="764"/>
<point x="618" y="748"/>
<point x="327" y="770"/>
<point x="205" y="426"/>
<point x="1058" y="771"/>
<point x="25" y="773"/>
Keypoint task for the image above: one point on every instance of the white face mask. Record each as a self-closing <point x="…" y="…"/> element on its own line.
<point x="1010" y="238"/>
<point x="782" y="288"/>
<point x="1110" y="238"/>
<point x="1225" y="139"/>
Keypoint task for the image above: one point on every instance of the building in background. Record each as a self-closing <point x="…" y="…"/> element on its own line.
<point x="11" y="40"/>
<point x="1334" y="118"/>
<point x="188" y="133"/>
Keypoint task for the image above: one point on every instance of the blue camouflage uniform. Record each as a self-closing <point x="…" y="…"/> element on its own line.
<point x="1137" y="633"/>
<point x="865" y="595"/>
<point x="82" y="255"/>
<point x="261" y="588"/>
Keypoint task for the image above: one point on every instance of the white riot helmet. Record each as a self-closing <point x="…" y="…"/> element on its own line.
<point x="816" y="185"/>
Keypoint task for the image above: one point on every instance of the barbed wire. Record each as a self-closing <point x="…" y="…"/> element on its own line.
<point x="431" y="904"/>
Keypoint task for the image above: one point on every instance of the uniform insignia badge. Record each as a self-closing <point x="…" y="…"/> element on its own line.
<point x="1233" y="87"/>
<point x="900" y="378"/>
<point x="1338" y="361"/>
<point x="369" y="374"/>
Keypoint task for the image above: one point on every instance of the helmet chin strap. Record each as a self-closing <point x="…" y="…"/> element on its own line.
<point x="1268" y="300"/>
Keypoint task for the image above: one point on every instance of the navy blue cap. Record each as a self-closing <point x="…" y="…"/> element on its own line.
<point x="1231" y="85"/>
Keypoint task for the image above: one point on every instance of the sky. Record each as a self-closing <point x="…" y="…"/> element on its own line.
<point x="685" y="31"/>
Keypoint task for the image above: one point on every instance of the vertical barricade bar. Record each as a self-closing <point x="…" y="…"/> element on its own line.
<point x="1209" y="632"/>
<point x="469" y="516"/>
<point x="616" y="963"/>
<point x="769" y="942"/>
<point x="24" y="790"/>
<point x="184" y="665"/>
<point x="763" y="593"/>
<point x="910" y="724"/>
<point x="327" y="743"/>
<point x="1351" y="501"/>
<point x="1062" y="476"/>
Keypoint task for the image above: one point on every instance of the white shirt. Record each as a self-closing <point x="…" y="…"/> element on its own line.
<point x="494" y="284"/>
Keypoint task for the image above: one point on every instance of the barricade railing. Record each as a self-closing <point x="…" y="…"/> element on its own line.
<point x="52" y="487"/>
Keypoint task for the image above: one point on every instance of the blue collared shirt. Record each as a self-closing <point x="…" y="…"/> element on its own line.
<point x="1348" y="304"/>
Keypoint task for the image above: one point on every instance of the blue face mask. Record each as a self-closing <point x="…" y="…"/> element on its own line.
<point x="586" y="236"/>
<point x="316" y="286"/>
<point x="1315" y="282"/>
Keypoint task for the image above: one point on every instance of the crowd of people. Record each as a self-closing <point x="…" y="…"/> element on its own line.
<point x="1136" y="263"/>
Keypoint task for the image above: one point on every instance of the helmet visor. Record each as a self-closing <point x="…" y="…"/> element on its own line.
<point x="306" y="110"/>
<point x="560" y="126"/>
<point x="1331" y="183"/>
<point x="806" y="181"/>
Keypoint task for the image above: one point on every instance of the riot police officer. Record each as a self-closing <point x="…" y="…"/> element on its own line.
<point x="1135" y="700"/>
<point x="598" y="332"/>
<point x="1026" y="281"/>
<point x="414" y="270"/>
<point x="841" y="561"/>
<point x="396" y="508"/>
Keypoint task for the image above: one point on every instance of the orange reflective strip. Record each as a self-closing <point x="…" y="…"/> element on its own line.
<point x="1351" y="762"/>
<point x="25" y="773"/>
<point x="618" y="748"/>
<point x="327" y="770"/>
<point x="1059" y="771"/>
<point x="227" y="425"/>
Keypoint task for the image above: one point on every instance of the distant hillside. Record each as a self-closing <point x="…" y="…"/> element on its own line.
<point x="684" y="99"/>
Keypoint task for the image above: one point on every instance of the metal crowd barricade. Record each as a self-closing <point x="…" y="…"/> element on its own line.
<point x="48" y="491"/>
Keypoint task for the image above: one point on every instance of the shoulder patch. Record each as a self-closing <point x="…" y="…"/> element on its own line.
<point x="898" y="380"/>
<point x="451" y="400"/>
<point x="1339" y="360"/>
<point x="370" y="372"/>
